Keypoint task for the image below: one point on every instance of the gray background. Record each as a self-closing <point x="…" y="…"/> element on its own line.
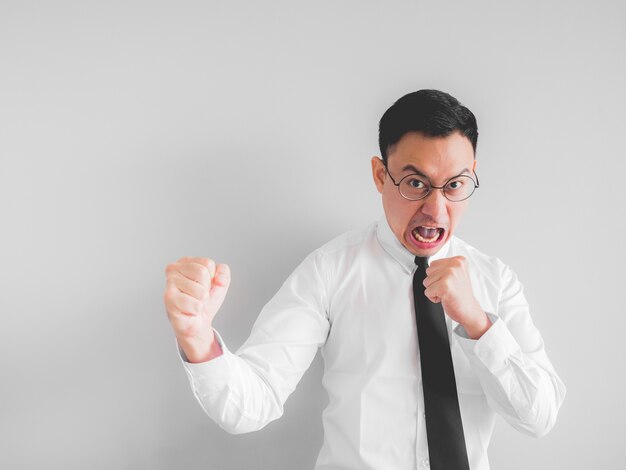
<point x="136" y="132"/>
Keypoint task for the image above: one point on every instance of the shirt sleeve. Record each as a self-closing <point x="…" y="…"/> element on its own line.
<point x="511" y="363"/>
<point x="245" y="390"/>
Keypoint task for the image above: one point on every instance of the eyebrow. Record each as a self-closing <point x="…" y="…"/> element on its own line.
<point x="417" y="172"/>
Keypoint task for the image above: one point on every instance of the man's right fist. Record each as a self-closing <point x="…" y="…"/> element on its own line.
<point x="194" y="291"/>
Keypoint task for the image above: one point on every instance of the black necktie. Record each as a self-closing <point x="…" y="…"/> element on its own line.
<point x="444" y="429"/>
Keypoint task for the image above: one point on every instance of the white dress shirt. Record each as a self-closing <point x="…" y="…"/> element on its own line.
<point x="353" y="298"/>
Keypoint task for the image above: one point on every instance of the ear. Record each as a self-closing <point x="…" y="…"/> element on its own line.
<point x="474" y="169"/>
<point x="378" y="173"/>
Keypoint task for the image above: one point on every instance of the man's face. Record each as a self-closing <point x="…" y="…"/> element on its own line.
<point x="438" y="159"/>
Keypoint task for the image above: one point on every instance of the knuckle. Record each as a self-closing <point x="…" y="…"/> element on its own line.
<point x="182" y="304"/>
<point x="206" y="262"/>
<point x="174" y="304"/>
<point x="188" y="304"/>
<point x="194" y="306"/>
<point x="202" y="294"/>
<point x="195" y="291"/>
<point x="212" y="266"/>
<point x="170" y="269"/>
<point x="168" y="293"/>
<point x="176" y="270"/>
<point x="203" y="274"/>
<point x="201" y="261"/>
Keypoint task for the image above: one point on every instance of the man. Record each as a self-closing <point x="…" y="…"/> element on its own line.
<point x="371" y="299"/>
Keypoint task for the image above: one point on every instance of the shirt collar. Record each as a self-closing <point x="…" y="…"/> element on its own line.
<point x="398" y="251"/>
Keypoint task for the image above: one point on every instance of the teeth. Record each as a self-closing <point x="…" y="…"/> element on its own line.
<point x="425" y="240"/>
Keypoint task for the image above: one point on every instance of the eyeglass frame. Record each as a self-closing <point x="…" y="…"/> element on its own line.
<point x="432" y="186"/>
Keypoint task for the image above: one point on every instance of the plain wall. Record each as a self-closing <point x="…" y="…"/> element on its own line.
<point x="133" y="133"/>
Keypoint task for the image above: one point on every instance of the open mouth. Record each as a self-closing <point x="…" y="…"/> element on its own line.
<point x="424" y="234"/>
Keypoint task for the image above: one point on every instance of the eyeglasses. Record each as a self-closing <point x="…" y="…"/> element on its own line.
<point x="414" y="187"/>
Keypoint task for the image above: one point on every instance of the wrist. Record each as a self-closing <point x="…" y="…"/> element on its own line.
<point x="478" y="326"/>
<point x="200" y="349"/>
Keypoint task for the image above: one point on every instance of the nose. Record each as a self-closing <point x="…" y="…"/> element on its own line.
<point x="435" y="204"/>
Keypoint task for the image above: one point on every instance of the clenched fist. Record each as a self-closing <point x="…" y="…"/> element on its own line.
<point x="194" y="291"/>
<point x="448" y="281"/>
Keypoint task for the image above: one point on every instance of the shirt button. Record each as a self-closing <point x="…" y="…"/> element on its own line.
<point x="426" y="462"/>
<point x="424" y="414"/>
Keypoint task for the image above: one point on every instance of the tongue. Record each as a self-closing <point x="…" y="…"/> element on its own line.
<point x="427" y="232"/>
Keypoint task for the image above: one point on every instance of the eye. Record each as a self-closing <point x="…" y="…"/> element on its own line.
<point x="455" y="184"/>
<point x="415" y="183"/>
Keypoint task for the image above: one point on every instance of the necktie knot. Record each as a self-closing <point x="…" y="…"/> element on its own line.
<point x="421" y="261"/>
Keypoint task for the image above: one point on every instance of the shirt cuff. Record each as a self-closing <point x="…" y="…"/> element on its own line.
<point x="214" y="372"/>
<point x="493" y="349"/>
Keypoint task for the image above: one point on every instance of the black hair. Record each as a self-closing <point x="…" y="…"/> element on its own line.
<point x="432" y="112"/>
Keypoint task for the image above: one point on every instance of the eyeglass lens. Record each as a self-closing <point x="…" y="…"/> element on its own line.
<point x="456" y="189"/>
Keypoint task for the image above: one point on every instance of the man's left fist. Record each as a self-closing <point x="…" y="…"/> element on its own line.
<point x="448" y="281"/>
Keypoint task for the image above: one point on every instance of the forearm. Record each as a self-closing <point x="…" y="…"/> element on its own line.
<point x="520" y="386"/>
<point x="231" y="391"/>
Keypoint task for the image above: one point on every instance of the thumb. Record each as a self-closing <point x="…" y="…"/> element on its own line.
<point x="220" y="282"/>
<point x="206" y="262"/>
<point x="219" y="287"/>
